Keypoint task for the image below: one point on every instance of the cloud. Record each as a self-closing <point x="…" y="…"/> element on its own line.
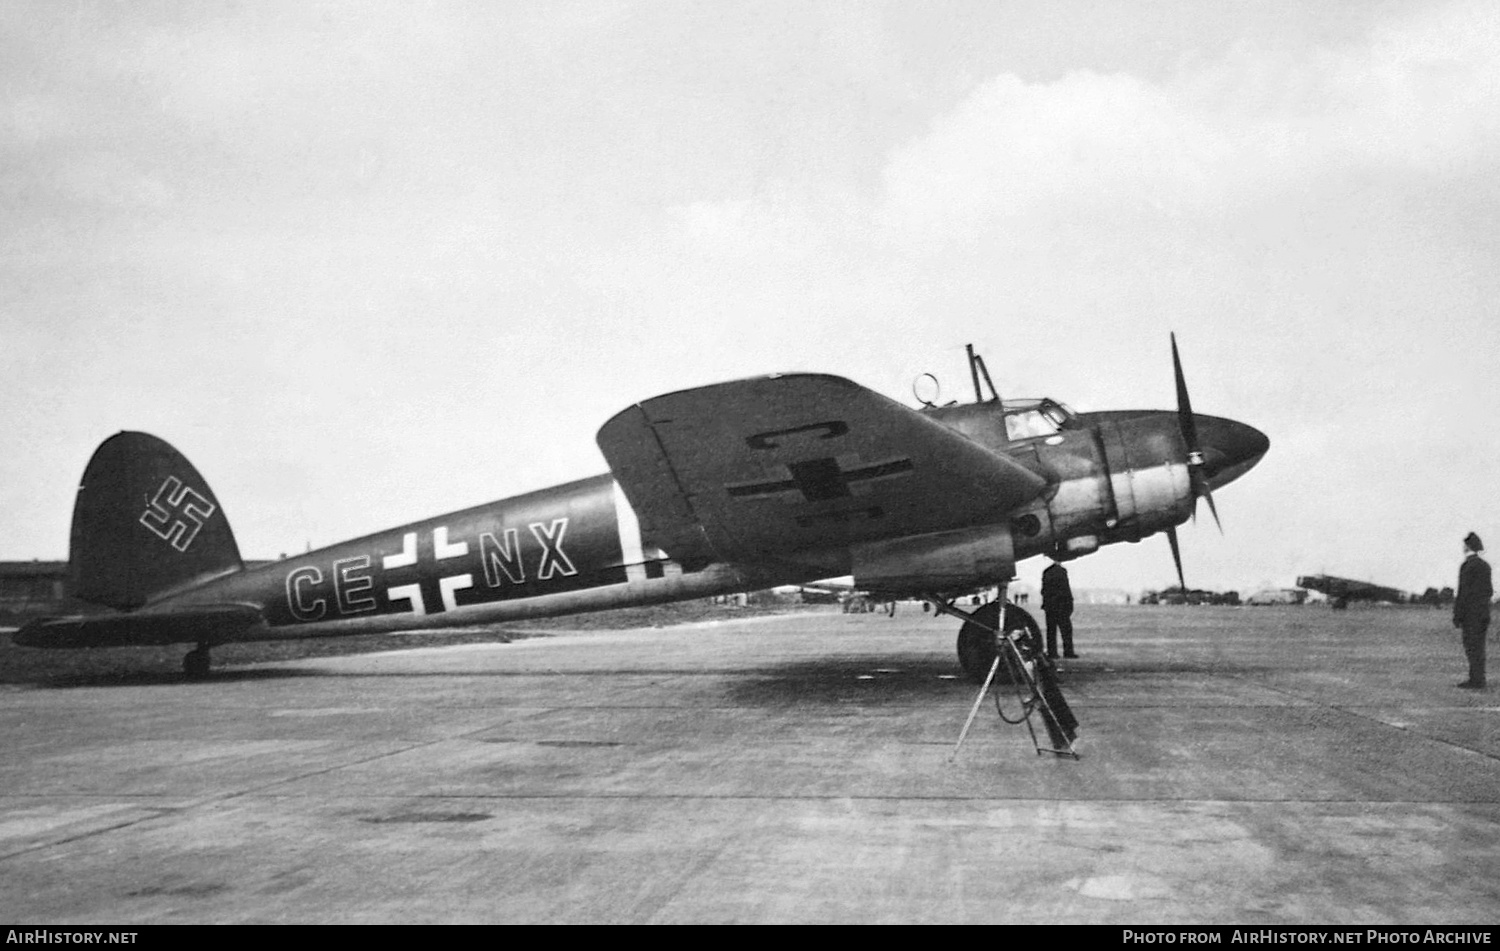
<point x="1421" y="96"/>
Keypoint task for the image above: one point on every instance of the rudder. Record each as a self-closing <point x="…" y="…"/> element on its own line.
<point x="145" y="523"/>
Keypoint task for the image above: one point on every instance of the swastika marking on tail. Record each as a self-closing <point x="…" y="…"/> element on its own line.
<point x="177" y="513"/>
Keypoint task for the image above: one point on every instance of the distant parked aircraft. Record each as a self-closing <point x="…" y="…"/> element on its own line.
<point x="1341" y="591"/>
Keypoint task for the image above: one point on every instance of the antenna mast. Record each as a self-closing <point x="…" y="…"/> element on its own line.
<point x="976" y="367"/>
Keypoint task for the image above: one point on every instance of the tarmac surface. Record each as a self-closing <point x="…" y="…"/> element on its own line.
<point x="1239" y="766"/>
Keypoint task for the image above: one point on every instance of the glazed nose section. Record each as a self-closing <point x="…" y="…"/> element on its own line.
<point x="1230" y="449"/>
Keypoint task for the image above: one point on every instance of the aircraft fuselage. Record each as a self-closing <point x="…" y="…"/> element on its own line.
<point x="572" y="548"/>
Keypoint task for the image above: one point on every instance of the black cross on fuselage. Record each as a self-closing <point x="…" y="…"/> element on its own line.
<point x="424" y="573"/>
<point x="820" y="479"/>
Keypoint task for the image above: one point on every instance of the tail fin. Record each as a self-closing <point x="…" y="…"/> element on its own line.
<point x="145" y="523"/>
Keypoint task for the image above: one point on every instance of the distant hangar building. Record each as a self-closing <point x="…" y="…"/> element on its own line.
<point x="27" y="586"/>
<point x="38" y="588"/>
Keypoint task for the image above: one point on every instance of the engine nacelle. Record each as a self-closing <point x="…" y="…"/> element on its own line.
<point x="1150" y="500"/>
<point x="942" y="563"/>
<point x="1129" y="483"/>
<point x="1148" y="478"/>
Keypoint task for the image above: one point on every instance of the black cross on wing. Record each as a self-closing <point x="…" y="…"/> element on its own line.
<point x="819" y="480"/>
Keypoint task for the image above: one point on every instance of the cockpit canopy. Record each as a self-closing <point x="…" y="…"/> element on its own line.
<point x="1031" y="418"/>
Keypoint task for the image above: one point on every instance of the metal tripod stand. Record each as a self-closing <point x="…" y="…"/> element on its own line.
<point x="1035" y="680"/>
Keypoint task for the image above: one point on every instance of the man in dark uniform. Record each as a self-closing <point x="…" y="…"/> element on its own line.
<point x="1057" y="604"/>
<point x="1471" y="609"/>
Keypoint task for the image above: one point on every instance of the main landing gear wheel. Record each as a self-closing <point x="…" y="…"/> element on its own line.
<point x="976" y="640"/>
<point x="195" y="664"/>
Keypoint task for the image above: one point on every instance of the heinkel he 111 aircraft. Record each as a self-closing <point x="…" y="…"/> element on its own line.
<point x="739" y="486"/>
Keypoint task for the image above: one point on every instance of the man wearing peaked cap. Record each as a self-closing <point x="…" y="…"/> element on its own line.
<point x="1471" y="608"/>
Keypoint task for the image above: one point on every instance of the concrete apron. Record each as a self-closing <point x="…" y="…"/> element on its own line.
<point x="1240" y="766"/>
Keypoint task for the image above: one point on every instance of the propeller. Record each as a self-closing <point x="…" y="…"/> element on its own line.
<point x="1189" y="429"/>
<point x="1196" y="475"/>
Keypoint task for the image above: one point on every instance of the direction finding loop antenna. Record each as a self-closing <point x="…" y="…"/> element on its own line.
<point x="937" y="391"/>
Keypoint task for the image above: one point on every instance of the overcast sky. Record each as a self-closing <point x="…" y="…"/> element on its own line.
<point x="365" y="263"/>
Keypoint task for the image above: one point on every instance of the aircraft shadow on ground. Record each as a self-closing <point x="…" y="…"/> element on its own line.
<point x="842" y="680"/>
<point x="834" y="680"/>
<point x="882" y="678"/>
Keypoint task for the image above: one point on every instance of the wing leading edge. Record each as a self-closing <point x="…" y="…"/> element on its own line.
<point x="767" y="467"/>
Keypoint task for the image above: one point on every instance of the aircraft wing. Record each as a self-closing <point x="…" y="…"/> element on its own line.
<point x="764" y="468"/>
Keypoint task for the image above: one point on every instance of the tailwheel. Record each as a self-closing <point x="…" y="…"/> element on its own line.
<point x="976" y="639"/>
<point x="195" y="664"/>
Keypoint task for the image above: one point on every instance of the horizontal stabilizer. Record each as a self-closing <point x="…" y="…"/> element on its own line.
<point x="205" y="624"/>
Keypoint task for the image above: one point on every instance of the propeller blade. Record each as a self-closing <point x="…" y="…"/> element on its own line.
<point x="1184" y="404"/>
<point x="1201" y="490"/>
<point x="1211" y="507"/>
<point x="1176" y="557"/>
